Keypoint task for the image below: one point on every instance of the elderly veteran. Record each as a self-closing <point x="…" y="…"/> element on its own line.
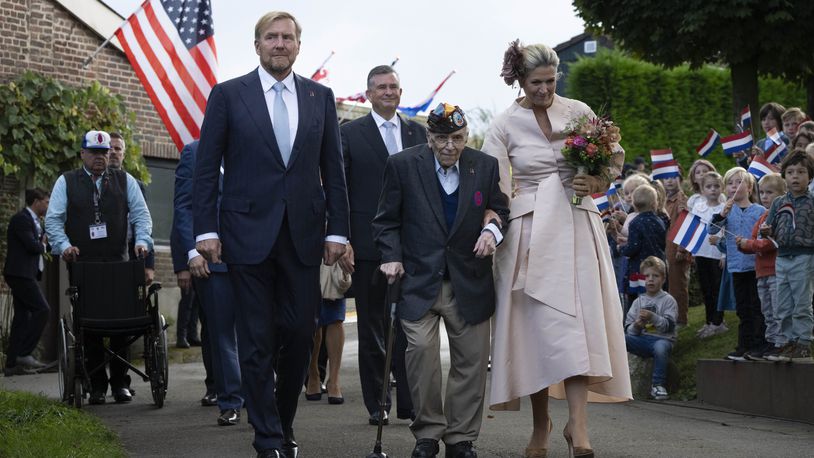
<point x="87" y="220"/>
<point x="429" y="229"/>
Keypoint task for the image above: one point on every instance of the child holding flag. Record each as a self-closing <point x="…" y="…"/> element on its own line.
<point x="765" y="251"/>
<point x="646" y="237"/>
<point x="709" y="261"/>
<point x="791" y="224"/>
<point x="678" y="259"/>
<point x="737" y="218"/>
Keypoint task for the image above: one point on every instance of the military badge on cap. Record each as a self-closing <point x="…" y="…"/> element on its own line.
<point x="446" y="118"/>
<point x="96" y="139"/>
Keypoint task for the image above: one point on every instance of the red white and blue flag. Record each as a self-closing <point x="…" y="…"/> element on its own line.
<point x="776" y="152"/>
<point x="423" y="106"/>
<point x="787" y="209"/>
<point x="712" y="140"/>
<point x="737" y="142"/>
<point x="171" y="46"/>
<point x="759" y="167"/>
<point x="774" y="135"/>
<point x="689" y="231"/>
<point x="663" y="164"/>
<point x="636" y="283"/>
<point x="746" y="118"/>
<point x="612" y="191"/>
<point x="601" y="201"/>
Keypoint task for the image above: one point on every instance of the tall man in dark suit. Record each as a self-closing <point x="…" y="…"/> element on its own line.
<point x="23" y="268"/>
<point x="429" y="228"/>
<point x="214" y="292"/>
<point x="277" y="136"/>
<point x="367" y="142"/>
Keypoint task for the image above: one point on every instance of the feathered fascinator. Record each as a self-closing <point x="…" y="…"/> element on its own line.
<point x="512" y="63"/>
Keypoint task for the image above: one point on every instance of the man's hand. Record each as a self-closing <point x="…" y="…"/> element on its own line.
<point x="141" y="251"/>
<point x="490" y="215"/>
<point x="209" y="249"/>
<point x="70" y="254"/>
<point x="149" y="275"/>
<point x="485" y="246"/>
<point x="346" y="262"/>
<point x="199" y="267"/>
<point x="392" y="270"/>
<point x="184" y="280"/>
<point x="586" y="184"/>
<point x="333" y="251"/>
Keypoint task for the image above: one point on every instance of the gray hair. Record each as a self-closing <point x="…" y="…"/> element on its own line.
<point x="379" y="70"/>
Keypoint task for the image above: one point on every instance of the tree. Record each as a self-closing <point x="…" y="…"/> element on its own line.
<point x="750" y="36"/>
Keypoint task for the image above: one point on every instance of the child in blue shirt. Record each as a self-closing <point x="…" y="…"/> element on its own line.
<point x="646" y="236"/>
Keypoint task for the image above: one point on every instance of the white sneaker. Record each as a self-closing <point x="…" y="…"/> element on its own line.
<point x="659" y="393"/>
<point x="704" y="329"/>
<point x="720" y="329"/>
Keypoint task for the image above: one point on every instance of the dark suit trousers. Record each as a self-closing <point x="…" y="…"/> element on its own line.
<point x="95" y="356"/>
<point x="187" y="324"/>
<point x="277" y="304"/>
<point x="31" y="313"/>
<point x="373" y="315"/>
<point x="206" y="343"/>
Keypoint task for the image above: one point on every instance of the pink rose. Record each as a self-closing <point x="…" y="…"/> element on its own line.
<point x="579" y="141"/>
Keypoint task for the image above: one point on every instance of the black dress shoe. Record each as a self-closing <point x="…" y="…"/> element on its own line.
<point x="270" y="453"/>
<point x="425" y="448"/>
<point x="209" y="399"/>
<point x="404" y="414"/>
<point x="96" y="398"/>
<point x="374" y="419"/>
<point x="229" y="417"/>
<point x="463" y="449"/>
<point x="313" y="397"/>
<point x="122" y="395"/>
<point x="182" y="343"/>
<point x="336" y="400"/>
<point x="290" y="448"/>
<point x="194" y="342"/>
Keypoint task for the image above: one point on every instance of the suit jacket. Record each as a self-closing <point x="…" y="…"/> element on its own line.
<point x="410" y="227"/>
<point x="258" y="188"/>
<point x="24" y="247"/>
<point x="181" y="238"/>
<point x="365" y="156"/>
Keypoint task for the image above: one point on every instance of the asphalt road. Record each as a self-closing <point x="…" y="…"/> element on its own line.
<point x="634" y="429"/>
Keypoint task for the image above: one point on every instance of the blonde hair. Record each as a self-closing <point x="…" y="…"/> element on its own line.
<point x="793" y="113"/>
<point x="652" y="262"/>
<point x="748" y="178"/>
<point x="696" y="187"/>
<point x="661" y="195"/>
<point x="272" y="16"/>
<point x="712" y="176"/>
<point x="645" y="198"/>
<point x="637" y="178"/>
<point x="774" y="181"/>
<point x="539" y="55"/>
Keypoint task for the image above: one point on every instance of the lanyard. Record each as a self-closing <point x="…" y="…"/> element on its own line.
<point x="97" y="212"/>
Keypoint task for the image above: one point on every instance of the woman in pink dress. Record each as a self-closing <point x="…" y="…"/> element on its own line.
<point x="558" y="325"/>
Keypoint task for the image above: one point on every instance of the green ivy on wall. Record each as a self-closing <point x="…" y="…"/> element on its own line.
<point x="658" y="108"/>
<point x="42" y="122"/>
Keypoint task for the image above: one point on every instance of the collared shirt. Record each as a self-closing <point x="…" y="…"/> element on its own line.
<point x="383" y="130"/>
<point x="289" y="97"/>
<point x="36" y="221"/>
<point x="450" y="178"/>
<point x="139" y="214"/>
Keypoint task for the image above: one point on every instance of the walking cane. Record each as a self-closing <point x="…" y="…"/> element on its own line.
<point x="393" y="293"/>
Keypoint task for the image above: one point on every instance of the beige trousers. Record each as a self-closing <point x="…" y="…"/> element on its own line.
<point x="458" y="415"/>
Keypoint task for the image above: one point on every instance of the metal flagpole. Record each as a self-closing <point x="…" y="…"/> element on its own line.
<point x="105" y="43"/>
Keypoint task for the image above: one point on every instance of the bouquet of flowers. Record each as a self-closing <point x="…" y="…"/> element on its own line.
<point x="589" y="145"/>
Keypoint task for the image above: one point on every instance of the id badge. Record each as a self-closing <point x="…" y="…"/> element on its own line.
<point x="98" y="231"/>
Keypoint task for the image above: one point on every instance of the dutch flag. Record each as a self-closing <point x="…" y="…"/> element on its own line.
<point x="664" y="166"/>
<point x="746" y="118"/>
<point x="636" y="282"/>
<point x="612" y="190"/>
<point x="689" y="232"/>
<point x="661" y="155"/>
<point x="712" y="140"/>
<point x="737" y="142"/>
<point x="776" y="152"/>
<point x="760" y="168"/>
<point x="774" y="135"/>
<point x="601" y="201"/>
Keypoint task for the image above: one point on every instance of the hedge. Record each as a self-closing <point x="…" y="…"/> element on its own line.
<point x="674" y="108"/>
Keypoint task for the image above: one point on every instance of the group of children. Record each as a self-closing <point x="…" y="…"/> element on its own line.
<point x="758" y="260"/>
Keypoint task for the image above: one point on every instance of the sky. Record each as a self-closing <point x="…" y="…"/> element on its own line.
<point x="430" y="38"/>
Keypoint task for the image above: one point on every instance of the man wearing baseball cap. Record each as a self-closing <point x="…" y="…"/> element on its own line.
<point x="429" y="229"/>
<point x="87" y="221"/>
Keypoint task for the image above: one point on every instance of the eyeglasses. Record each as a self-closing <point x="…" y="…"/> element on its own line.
<point x="443" y="139"/>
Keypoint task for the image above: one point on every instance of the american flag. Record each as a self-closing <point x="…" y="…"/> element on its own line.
<point x="171" y="46"/>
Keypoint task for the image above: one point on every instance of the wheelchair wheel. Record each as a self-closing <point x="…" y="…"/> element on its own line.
<point x="65" y="355"/>
<point x="159" y="370"/>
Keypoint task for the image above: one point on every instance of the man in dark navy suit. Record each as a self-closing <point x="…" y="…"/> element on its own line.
<point x="24" y="264"/>
<point x="367" y="142"/>
<point x="214" y="292"/>
<point x="277" y="137"/>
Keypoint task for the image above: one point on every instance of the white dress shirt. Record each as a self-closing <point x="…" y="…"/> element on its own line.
<point x="450" y="179"/>
<point x="383" y="130"/>
<point x="289" y="97"/>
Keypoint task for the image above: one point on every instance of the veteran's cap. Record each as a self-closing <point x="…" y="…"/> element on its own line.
<point x="446" y="118"/>
<point x="96" y="139"/>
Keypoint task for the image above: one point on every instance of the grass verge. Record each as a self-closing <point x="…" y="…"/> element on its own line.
<point x="33" y="426"/>
<point x="690" y="349"/>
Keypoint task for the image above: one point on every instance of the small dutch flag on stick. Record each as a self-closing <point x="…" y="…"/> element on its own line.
<point x="737" y="142"/>
<point x="775" y="153"/>
<point x="664" y="166"/>
<point x="746" y="118"/>
<point x="759" y="167"/>
<point x="712" y="140"/>
<point x="689" y="232"/>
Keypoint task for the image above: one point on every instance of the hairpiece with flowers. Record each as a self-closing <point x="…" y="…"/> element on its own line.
<point x="512" y="63"/>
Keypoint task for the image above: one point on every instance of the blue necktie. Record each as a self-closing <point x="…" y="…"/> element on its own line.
<point x="280" y="123"/>
<point x="390" y="138"/>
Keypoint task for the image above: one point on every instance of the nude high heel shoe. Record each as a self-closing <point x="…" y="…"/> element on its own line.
<point x="539" y="452"/>
<point x="576" y="452"/>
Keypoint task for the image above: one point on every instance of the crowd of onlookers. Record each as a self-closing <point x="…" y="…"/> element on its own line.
<point x="757" y="259"/>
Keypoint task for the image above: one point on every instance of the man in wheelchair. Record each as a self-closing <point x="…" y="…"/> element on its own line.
<point x="87" y="220"/>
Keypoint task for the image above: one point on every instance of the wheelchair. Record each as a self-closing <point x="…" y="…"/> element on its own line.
<point x="111" y="299"/>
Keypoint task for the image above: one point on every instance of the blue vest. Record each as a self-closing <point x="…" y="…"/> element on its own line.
<point x="450" y="204"/>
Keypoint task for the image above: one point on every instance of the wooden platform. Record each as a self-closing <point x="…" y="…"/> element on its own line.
<point x="784" y="390"/>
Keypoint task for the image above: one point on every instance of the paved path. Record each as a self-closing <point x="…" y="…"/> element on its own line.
<point x="637" y="429"/>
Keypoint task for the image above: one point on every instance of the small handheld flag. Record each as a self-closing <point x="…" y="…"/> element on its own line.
<point x="788" y="209"/>
<point x="601" y="201"/>
<point x="737" y="142"/>
<point x="746" y="118"/>
<point x="759" y="167"/>
<point x="664" y="166"/>
<point x="689" y="232"/>
<point x="712" y="140"/>
<point x="774" y="135"/>
<point x="636" y="282"/>
<point x="776" y="152"/>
